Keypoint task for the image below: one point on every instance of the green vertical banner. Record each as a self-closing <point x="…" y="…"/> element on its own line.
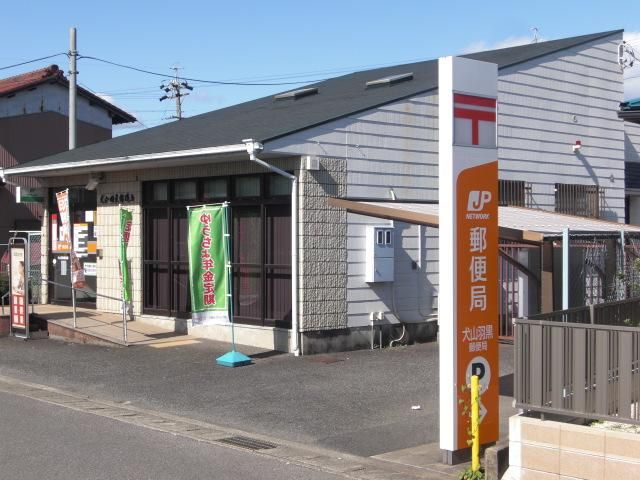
<point x="208" y="276"/>
<point x="126" y="219"/>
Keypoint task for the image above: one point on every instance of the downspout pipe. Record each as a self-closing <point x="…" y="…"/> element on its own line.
<point x="253" y="149"/>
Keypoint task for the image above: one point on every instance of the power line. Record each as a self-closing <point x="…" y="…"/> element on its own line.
<point x="32" y="61"/>
<point x="215" y="82"/>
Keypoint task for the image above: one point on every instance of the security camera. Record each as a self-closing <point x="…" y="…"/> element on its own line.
<point x="94" y="181"/>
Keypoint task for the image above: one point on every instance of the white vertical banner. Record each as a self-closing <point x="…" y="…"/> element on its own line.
<point x="468" y="248"/>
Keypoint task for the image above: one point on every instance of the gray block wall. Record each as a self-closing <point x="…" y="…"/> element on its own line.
<point x="322" y="248"/>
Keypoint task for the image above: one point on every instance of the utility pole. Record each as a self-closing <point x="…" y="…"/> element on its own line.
<point x="173" y="90"/>
<point x="73" y="110"/>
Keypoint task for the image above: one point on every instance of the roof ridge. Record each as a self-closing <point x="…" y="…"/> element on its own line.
<point x="50" y="71"/>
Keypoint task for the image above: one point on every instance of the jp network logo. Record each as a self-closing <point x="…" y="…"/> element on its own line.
<point x="476" y="203"/>
<point x="477" y="200"/>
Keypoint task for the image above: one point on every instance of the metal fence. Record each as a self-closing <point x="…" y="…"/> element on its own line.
<point x="623" y="313"/>
<point x="582" y="369"/>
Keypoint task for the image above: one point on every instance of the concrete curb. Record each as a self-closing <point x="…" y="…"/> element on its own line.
<point x="337" y="463"/>
<point x="496" y="460"/>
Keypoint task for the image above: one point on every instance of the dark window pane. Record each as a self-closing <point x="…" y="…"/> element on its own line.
<point x="179" y="234"/>
<point x="156" y="234"/>
<point x="247" y="235"/>
<point x="185" y="190"/>
<point x="215" y="188"/>
<point x="278" y="186"/>
<point x="278" y="297"/>
<point x="247" y="293"/>
<point x="512" y="193"/>
<point x="157" y="287"/>
<point x="160" y="192"/>
<point x="278" y="235"/>
<point x="180" y="278"/>
<point x="581" y="200"/>
<point x="247" y="186"/>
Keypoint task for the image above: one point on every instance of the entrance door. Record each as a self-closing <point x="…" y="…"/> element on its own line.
<point x="261" y="239"/>
<point x="82" y="206"/>
<point x="166" y="284"/>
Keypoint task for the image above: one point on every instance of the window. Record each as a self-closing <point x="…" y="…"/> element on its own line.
<point x="214" y="188"/>
<point x="515" y="193"/>
<point x="260" y="220"/>
<point x="160" y="192"/>
<point x="185" y="190"/>
<point x="581" y="200"/>
<point x="247" y="186"/>
<point x="278" y="185"/>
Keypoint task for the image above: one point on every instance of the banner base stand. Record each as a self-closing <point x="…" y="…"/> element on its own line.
<point x="233" y="359"/>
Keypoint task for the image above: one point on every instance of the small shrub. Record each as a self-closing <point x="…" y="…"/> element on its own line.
<point x="469" y="474"/>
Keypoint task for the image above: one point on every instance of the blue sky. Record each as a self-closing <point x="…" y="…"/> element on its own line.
<point x="276" y="40"/>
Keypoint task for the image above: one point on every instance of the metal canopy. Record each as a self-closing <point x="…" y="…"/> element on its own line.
<point x="516" y="223"/>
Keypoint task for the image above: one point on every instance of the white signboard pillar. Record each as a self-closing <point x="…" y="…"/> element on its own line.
<point x="468" y="249"/>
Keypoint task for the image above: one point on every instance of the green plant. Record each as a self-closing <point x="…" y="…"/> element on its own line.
<point x="631" y="322"/>
<point x="469" y="474"/>
<point x="464" y="402"/>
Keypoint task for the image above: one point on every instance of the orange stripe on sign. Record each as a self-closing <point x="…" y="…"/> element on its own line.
<point x="471" y="100"/>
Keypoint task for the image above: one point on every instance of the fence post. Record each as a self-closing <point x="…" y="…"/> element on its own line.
<point x="565" y="268"/>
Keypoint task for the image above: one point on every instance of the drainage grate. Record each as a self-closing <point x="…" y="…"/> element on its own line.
<point x="249" y="443"/>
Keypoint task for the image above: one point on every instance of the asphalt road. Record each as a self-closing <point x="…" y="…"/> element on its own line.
<point x="44" y="441"/>
<point x="357" y="402"/>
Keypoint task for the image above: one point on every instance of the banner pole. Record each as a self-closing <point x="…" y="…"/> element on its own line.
<point x="124" y="303"/>
<point x="232" y="358"/>
<point x="227" y="253"/>
<point x="71" y="251"/>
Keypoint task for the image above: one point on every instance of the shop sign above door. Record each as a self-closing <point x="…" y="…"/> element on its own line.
<point x="117" y="198"/>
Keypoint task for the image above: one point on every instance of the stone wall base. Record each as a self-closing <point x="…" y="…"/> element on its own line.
<point x="548" y="449"/>
<point x="279" y="339"/>
<point x="357" y="338"/>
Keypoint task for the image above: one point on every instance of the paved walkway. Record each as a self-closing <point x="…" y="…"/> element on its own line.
<point x="355" y="402"/>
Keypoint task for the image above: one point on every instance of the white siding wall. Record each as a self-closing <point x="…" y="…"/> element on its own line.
<point x="546" y="104"/>
<point x="392" y="146"/>
<point x="52" y="98"/>
<point x="396" y="146"/>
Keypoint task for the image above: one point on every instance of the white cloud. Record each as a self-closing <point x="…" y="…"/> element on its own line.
<point x="632" y="75"/>
<point x="481" y="45"/>
<point x="106" y="98"/>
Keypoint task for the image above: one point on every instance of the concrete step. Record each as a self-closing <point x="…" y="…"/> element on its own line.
<point x="59" y="331"/>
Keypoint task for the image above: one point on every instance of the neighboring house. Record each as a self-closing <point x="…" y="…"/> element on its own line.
<point x="630" y="113"/>
<point x="34" y="123"/>
<point x="370" y="135"/>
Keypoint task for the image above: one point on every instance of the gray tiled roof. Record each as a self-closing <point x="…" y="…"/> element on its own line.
<point x="266" y="118"/>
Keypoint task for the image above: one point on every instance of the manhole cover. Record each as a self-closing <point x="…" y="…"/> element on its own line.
<point x="326" y="359"/>
<point x="249" y="443"/>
